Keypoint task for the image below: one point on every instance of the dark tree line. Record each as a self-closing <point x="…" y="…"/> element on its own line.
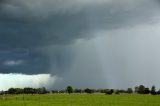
<point x="145" y="90"/>
<point x="27" y="90"/>
<point x="141" y="89"/>
<point x="70" y="90"/>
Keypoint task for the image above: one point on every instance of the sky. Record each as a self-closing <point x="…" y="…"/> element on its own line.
<point x="83" y="43"/>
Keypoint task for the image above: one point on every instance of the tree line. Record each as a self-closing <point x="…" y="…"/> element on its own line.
<point x="26" y="90"/>
<point x="141" y="89"/>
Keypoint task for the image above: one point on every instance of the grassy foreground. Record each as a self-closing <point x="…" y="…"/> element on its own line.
<point x="80" y="100"/>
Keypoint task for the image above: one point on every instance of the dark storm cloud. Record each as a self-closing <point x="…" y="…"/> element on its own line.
<point x="22" y="61"/>
<point x="26" y="24"/>
<point x="33" y="24"/>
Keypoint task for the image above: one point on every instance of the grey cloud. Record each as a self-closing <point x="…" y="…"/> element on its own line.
<point x="46" y="28"/>
<point x="124" y="58"/>
<point x="23" y="61"/>
<point x="32" y="23"/>
<point x="13" y="62"/>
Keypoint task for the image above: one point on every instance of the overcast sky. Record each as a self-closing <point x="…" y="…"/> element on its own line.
<point x="83" y="43"/>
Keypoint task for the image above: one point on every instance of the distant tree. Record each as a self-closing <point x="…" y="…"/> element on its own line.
<point x="87" y="90"/>
<point x="136" y="89"/>
<point x="153" y="90"/>
<point x="141" y="89"/>
<point x="54" y="91"/>
<point x="78" y="91"/>
<point x="109" y="92"/>
<point x="11" y="91"/>
<point x="158" y="92"/>
<point x="69" y="89"/>
<point x="117" y="92"/>
<point x="129" y="90"/>
<point x="146" y="91"/>
<point x="2" y="92"/>
<point x="122" y="91"/>
<point x="42" y="90"/>
<point x="28" y="90"/>
<point x="39" y="90"/>
<point x="18" y="91"/>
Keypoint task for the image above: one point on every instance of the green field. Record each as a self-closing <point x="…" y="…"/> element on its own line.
<point x="80" y="100"/>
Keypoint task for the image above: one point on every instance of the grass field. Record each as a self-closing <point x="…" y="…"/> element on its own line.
<point x="80" y="100"/>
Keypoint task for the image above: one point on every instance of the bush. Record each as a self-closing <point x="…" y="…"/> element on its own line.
<point x="87" y="90"/>
<point x="69" y="89"/>
<point x="117" y="92"/>
<point x="109" y="92"/>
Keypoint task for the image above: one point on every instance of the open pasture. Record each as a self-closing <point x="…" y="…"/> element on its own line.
<point x="80" y="100"/>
